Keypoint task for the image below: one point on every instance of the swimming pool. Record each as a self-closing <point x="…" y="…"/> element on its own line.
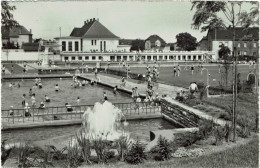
<point x="67" y="94"/>
<point x="139" y="129"/>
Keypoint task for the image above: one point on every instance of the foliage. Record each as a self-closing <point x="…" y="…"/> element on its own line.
<point x="206" y="128"/>
<point x="137" y="45"/>
<point x="227" y="132"/>
<point x="185" y="139"/>
<point x="224" y="52"/>
<point x="244" y="129"/>
<point x="4" y="152"/>
<point x="163" y="150"/>
<point x="123" y="145"/>
<point x="7" y="17"/>
<point x="74" y="155"/>
<point x="23" y="155"/>
<point x="202" y="90"/>
<point x="225" y="116"/>
<point x="57" y="154"/>
<point x="136" y="153"/>
<point x="186" y="41"/>
<point x="84" y="145"/>
<point x="102" y="148"/>
<point x="219" y="134"/>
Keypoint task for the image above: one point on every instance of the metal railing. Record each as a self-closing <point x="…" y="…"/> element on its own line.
<point x="76" y="112"/>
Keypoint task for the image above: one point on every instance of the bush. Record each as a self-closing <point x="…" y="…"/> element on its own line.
<point x="136" y="153"/>
<point x="227" y="131"/>
<point x="206" y="128"/>
<point x="164" y="149"/>
<point x="74" y="156"/>
<point x="244" y="130"/>
<point x="23" y="154"/>
<point x="185" y="139"/>
<point x="4" y="153"/>
<point x="225" y="116"/>
<point x="84" y="145"/>
<point x="123" y="145"/>
<point x="219" y="134"/>
<point x="102" y="148"/>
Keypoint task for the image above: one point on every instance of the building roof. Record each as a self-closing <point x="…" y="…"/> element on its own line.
<point x="92" y="29"/>
<point x="67" y="37"/>
<point x="240" y="33"/>
<point x="14" y="32"/>
<point x="154" y="38"/>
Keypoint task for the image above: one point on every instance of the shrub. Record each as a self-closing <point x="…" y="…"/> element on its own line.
<point x="225" y="116"/>
<point x="74" y="155"/>
<point x="123" y="144"/>
<point x="244" y="130"/>
<point x="185" y="139"/>
<point x="4" y="152"/>
<point x="206" y="128"/>
<point x="136" y="153"/>
<point x="227" y="131"/>
<point x="164" y="149"/>
<point x="219" y="135"/>
<point x="24" y="150"/>
<point x="56" y="154"/>
<point x="85" y="146"/>
<point x="102" y="148"/>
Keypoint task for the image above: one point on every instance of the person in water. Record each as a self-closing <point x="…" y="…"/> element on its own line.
<point x="33" y="100"/>
<point x="115" y="90"/>
<point x="40" y="85"/>
<point x="57" y="88"/>
<point x="26" y="110"/>
<point x="68" y="106"/>
<point x="11" y="111"/>
<point x="47" y="99"/>
<point x="42" y="105"/>
<point x="78" y="101"/>
<point x="105" y="96"/>
<point x="30" y="92"/>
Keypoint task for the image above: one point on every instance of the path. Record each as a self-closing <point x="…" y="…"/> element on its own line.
<point x="159" y="88"/>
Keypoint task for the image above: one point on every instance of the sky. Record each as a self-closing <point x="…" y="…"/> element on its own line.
<point x="126" y="19"/>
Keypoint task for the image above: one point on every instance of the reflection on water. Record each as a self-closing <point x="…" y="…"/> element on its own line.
<point x="67" y="94"/>
<point x="139" y="129"/>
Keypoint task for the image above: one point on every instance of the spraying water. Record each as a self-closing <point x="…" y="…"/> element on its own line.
<point x="104" y="121"/>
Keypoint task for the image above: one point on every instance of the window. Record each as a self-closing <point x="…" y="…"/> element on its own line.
<point x="226" y="43"/>
<point x="76" y="46"/>
<point x="112" y="58"/>
<point x="104" y="45"/>
<point x="125" y="58"/>
<point x="73" y="58"/>
<point x="80" y="58"/>
<point x="238" y="44"/>
<point x="70" y="45"/>
<point x="165" y="57"/>
<point x="118" y="58"/>
<point x="93" y="58"/>
<point x="199" y="57"/>
<point x="66" y="58"/>
<point x="100" y="57"/>
<point x="92" y="42"/>
<point x="155" y="58"/>
<point x="245" y="45"/>
<point x="101" y="46"/>
<point x="86" y="58"/>
<point x="171" y="57"/>
<point x="245" y="53"/>
<point x="149" y="57"/>
<point x="63" y="43"/>
<point x="95" y="42"/>
<point x="254" y="53"/>
<point x="254" y="44"/>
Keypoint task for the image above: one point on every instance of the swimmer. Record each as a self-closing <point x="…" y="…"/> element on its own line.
<point x="57" y="88"/>
<point x="115" y="90"/>
<point x="18" y="85"/>
<point x="40" y="85"/>
<point x="23" y="101"/>
<point x="33" y="100"/>
<point x="47" y="99"/>
<point x="11" y="111"/>
<point x="60" y="78"/>
<point x="78" y="101"/>
<point x="26" y="109"/>
<point x="42" y="105"/>
<point x="10" y="85"/>
<point x="138" y="100"/>
<point x="83" y="82"/>
<point x="30" y="92"/>
<point x="105" y="96"/>
<point x="92" y="82"/>
<point x="68" y="106"/>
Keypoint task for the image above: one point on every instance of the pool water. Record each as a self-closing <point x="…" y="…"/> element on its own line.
<point x="139" y="129"/>
<point x="67" y="94"/>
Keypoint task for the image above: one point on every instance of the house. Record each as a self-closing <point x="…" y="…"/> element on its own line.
<point x="155" y="43"/>
<point x="91" y="37"/>
<point x="203" y="44"/>
<point x="16" y="35"/>
<point x="246" y="40"/>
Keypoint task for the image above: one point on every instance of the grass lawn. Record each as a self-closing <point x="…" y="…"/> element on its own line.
<point x="247" y="106"/>
<point x="166" y="75"/>
<point x="240" y="156"/>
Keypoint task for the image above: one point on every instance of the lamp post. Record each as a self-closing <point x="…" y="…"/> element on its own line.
<point x="207" y="87"/>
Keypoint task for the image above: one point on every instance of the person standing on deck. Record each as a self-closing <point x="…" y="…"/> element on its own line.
<point x="174" y="71"/>
<point x="178" y="70"/>
<point x="192" y="69"/>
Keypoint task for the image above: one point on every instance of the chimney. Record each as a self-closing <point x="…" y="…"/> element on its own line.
<point x="94" y="19"/>
<point x="90" y="20"/>
<point x="85" y="22"/>
<point x="31" y="31"/>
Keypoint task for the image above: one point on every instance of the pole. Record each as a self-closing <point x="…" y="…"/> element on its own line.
<point x="60" y="31"/>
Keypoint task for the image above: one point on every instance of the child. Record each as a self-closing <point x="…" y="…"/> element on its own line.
<point x="105" y="96"/>
<point x="42" y="105"/>
<point x="57" y="88"/>
<point x="47" y="99"/>
<point x="78" y="101"/>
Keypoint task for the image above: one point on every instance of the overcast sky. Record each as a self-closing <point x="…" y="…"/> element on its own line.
<point x="126" y="19"/>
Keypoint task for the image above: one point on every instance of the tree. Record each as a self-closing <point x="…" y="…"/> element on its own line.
<point x="224" y="54"/>
<point x="7" y="17"/>
<point x="137" y="45"/>
<point x="186" y="41"/>
<point x="207" y="16"/>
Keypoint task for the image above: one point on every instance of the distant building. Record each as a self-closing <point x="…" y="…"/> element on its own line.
<point x="203" y="44"/>
<point x="16" y="35"/>
<point x="91" y="37"/>
<point x="154" y="43"/>
<point x="246" y="41"/>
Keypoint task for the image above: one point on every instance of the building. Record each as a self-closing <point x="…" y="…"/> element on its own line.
<point x="154" y="43"/>
<point x="16" y="35"/>
<point x="246" y="41"/>
<point x="202" y="44"/>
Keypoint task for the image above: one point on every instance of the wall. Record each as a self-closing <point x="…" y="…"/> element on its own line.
<point x="73" y="40"/>
<point x="111" y="44"/>
<point x="20" y="55"/>
<point x="23" y="39"/>
<point x="125" y="48"/>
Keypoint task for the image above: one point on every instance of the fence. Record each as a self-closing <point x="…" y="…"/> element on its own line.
<point x="63" y="113"/>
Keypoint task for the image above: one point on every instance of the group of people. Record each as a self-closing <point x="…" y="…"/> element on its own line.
<point x="152" y="73"/>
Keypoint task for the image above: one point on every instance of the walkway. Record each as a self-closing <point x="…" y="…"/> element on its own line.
<point x="161" y="89"/>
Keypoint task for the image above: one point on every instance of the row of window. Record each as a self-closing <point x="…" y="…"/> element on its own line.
<point x="238" y="44"/>
<point x="76" y="46"/>
<point x="245" y="53"/>
<point x="86" y="58"/>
